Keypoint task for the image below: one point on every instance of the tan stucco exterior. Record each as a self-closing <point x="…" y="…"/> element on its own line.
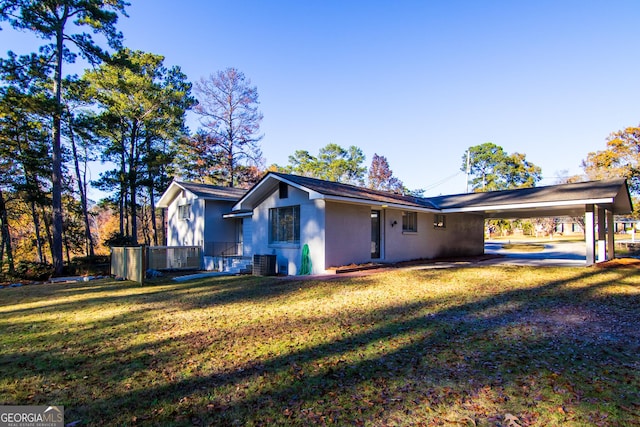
<point x="348" y="235"/>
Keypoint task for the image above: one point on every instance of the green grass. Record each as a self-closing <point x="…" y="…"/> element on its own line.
<point x="468" y="346"/>
<point x="524" y="247"/>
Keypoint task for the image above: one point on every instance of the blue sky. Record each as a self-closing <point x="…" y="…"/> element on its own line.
<point x="416" y="81"/>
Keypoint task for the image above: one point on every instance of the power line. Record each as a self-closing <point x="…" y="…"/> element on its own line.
<point x="442" y="181"/>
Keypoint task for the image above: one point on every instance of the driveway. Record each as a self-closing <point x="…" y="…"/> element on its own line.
<point x="570" y="254"/>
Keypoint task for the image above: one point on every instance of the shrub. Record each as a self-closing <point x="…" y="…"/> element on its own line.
<point x="30" y="270"/>
<point x="95" y="265"/>
<point x="118" y="239"/>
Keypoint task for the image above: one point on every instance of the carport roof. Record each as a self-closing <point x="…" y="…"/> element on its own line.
<point x="563" y="199"/>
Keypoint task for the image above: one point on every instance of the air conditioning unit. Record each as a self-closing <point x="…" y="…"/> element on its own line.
<point x="264" y="265"/>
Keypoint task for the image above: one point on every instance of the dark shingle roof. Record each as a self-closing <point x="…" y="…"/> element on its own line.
<point x="336" y="189"/>
<point x="555" y="193"/>
<point x="207" y="191"/>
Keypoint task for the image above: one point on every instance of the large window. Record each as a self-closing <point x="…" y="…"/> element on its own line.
<point x="184" y="211"/>
<point x="284" y="225"/>
<point x="410" y="221"/>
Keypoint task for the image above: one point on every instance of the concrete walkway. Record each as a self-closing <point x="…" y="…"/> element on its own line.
<point x="557" y="254"/>
<point x="201" y="275"/>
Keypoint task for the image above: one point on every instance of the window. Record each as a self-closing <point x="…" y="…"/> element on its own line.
<point x="284" y="225"/>
<point x="184" y="211"/>
<point x="439" y="221"/>
<point x="410" y="221"/>
<point x="283" y="190"/>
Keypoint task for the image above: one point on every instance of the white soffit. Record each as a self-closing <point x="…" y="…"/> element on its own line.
<point x="536" y="205"/>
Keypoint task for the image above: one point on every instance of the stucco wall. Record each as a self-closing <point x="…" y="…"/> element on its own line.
<point x="406" y="246"/>
<point x="348" y="234"/>
<point x="312" y="225"/>
<point x="463" y="236"/>
<point x="181" y="232"/>
<point x="218" y="229"/>
<point x="247" y="237"/>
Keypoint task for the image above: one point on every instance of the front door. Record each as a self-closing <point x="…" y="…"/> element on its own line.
<point x="375" y="234"/>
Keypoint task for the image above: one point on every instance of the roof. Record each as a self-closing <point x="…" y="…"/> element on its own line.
<point x="329" y="190"/>
<point x="201" y="191"/>
<point x="564" y="199"/>
<point x="570" y="198"/>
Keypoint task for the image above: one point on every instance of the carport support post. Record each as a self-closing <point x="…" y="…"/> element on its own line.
<point x="611" y="247"/>
<point x="589" y="234"/>
<point x="602" y="232"/>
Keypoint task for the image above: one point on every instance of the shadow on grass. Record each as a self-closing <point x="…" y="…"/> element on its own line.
<point x="524" y="351"/>
<point x="222" y="290"/>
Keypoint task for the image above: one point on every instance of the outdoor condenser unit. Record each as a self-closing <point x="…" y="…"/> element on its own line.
<point x="264" y="265"/>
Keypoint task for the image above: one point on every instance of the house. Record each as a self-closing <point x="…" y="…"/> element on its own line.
<point x="195" y="218"/>
<point x="340" y="224"/>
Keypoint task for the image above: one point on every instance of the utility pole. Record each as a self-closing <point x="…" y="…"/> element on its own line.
<point x="468" y="167"/>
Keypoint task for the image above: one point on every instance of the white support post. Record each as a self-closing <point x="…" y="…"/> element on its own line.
<point x="611" y="246"/>
<point x="602" y="232"/>
<point x="589" y="234"/>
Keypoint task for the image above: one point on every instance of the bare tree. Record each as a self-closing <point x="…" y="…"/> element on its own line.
<point x="228" y="106"/>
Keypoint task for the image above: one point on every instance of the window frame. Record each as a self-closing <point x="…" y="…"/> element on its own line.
<point x="440" y="221"/>
<point x="409" y="222"/>
<point x="284" y="234"/>
<point x="184" y="212"/>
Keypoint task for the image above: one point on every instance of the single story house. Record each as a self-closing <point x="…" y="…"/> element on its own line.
<point x="339" y="224"/>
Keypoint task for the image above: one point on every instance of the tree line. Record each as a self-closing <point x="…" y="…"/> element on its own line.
<point x="129" y="109"/>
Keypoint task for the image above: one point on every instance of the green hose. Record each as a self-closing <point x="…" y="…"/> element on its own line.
<point x="305" y="264"/>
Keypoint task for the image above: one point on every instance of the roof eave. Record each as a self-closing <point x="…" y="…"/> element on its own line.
<point x="381" y="204"/>
<point x="243" y="214"/>
<point x="533" y="205"/>
<point x="255" y="191"/>
<point x="169" y="194"/>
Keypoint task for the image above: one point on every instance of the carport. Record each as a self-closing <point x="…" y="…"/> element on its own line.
<point x="596" y="201"/>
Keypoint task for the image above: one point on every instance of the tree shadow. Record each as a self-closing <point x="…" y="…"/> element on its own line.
<point x="407" y="361"/>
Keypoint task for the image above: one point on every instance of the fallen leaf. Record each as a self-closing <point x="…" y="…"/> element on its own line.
<point x="511" y="420"/>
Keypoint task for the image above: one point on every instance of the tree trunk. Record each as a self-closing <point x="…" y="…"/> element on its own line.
<point x="145" y="224"/>
<point x="6" y="234"/>
<point x="1" y="252"/>
<point x="122" y="196"/>
<point x="133" y="208"/>
<point x="36" y="225"/>
<point x="133" y="183"/>
<point x="163" y="218"/>
<point x="152" y="202"/>
<point x="47" y="229"/>
<point x="65" y="240"/>
<point x="231" y="166"/>
<point x="56" y="175"/>
<point x="154" y="226"/>
<point x="81" y="189"/>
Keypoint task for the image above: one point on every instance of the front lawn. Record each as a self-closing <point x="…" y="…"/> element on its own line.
<point x="490" y="346"/>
